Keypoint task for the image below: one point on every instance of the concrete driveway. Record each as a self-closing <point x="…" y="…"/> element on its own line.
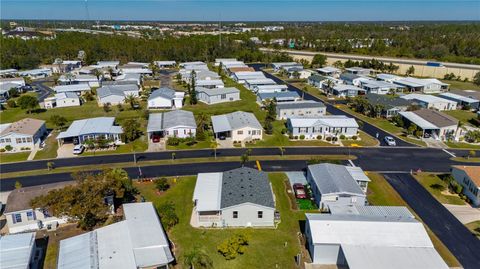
<point x="464" y="213"/>
<point x="65" y="151"/>
<point x="227" y="143"/>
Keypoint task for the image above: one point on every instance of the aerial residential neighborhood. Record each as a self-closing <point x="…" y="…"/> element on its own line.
<point x="181" y="135"/>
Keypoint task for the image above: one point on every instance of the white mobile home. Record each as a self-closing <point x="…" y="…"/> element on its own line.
<point x="176" y="123"/>
<point x="422" y="85"/>
<point x="220" y="95"/>
<point x="322" y="126"/>
<point x="165" y="98"/>
<point x="431" y="101"/>
<point x="116" y="94"/>
<point x="300" y="109"/>
<point x="237" y="126"/>
<point x="242" y="197"/>
<point x="436" y="124"/>
<point x="92" y="128"/>
<point x="22" y="135"/>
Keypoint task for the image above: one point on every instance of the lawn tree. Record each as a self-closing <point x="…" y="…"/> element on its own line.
<point x="132" y="100"/>
<point x="97" y="73"/>
<point x="58" y="121"/>
<point x="154" y="67"/>
<point x="162" y="184"/>
<point x="196" y="258"/>
<point x="214" y="146"/>
<point x="271" y="107"/>
<point x="168" y="216"/>
<point x="11" y="103"/>
<point x="18" y="185"/>
<point x="27" y="102"/>
<point x="131" y="129"/>
<point x="412" y="128"/>
<point x="84" y="201"/>
<point x="236" y="244"/>
<point x="244" y="159"/>
<point x="107" y="107"/>
<point x="410" y="71"/>
<point x="319" y="60"/>
<point x="476" y="78"/>
<point x="472" y="154"/>
<point x="202" y="124"/>
<point x="50" y="165"/>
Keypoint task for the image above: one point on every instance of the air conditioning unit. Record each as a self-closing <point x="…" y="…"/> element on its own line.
<point x="52" y="226"/>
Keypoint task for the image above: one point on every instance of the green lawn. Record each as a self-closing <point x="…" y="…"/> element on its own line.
<point x="13" y="157"/>
<point x="460" y="85"/>
<point x="428" y="181"/>
<point x="381" y="193"/>
<point x="468" y="160"/>
<point x="87" y="110"/>
<point x="461" y="145"/>
<point x="364" y="141"/>
<point x="197" y="145"/>
<point x="266" y="247"/>
<point x="50" y="149"/>
<point x="474" y="227"/>
<point x="139" y="145"/>
<point x="462" y="115"/>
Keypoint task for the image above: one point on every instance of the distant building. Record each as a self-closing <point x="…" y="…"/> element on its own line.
<point x="323" y="126"/>
<point x="92" y="128"/>
<point x="370" y="241"/>
<point x="90" y="80"/>
<point x="469" y="178"/>
<point x="17" y="81"/>
<point x="241" y="197"/>
<point x="209" y="83"/>
<point x="24" y="134"/>
<point x="339" y="185"/>
<point x="176" y="123"/>
<point x="165" y="98"/>
<point x="353" y="79"/>
<point x="242" y="76"/>
<point x="431" y="101"/>
<point x="391" y="106"/>
<point x="237" y="126"/>
<point x="279" y="97"/>
<point x="462" y="101"/>
<point x="329" y="71"/>
<point x="138" y="241"/>
<point x="278" y="66"/>
<point x="270" y="88"/>
<point x="252" y="83"/>
<point x="64" y="99"/>
<point x="359" y="71"/>
<point x="431" y="85"/>
<point x="342" y="90"/>
<point x="380" y="87"/>
<point x="18" y="251"/>
<point x="300" y="109"/>
<point x="387" y="77"/>
<point x="216" y="96"/>
<point x="117" y="94"/>
<point x="166" y="64"/>
<point x="20" y="215"/>
<point x="72" y="88"/>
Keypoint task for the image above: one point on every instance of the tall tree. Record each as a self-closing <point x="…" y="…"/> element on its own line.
<point x="131" y="129"/>
<point x="27" y="102"/>
<point x="319" y="60"/>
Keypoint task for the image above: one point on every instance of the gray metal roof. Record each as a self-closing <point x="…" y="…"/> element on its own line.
<point x="348" y="76"/>
<point x="217" y="91"/>
<point x="334" y="178"/>
<point x="387" y="101"/>
<point x="299" y="104"/>
<point x="162" y="92"/>
<point x="278" y="95"/>
<point x="99" y="125"/>
<point x="317" y="78"/>
<point x="16" y="250"/>
<point x="234" y="120"/>
<point x="380" y="211"/>
<point x="161" y="121"/>
<point x="246" y="185"/>
<point x="115" y="90"/>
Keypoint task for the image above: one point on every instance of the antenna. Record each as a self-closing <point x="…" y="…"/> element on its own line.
<point x="86" y="12"/>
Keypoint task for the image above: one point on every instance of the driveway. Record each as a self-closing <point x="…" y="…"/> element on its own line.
<point x="433" y="143"/>
<point x="464" y="213"/>
<point x="66" y="151"/>
<point x="43" y="91"/>
<point x="227" y="143"/>
<point x="155" y="147"/>
<point x="454" y="235"/>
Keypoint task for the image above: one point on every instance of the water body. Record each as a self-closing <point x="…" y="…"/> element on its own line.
<point x="242" y="10"/>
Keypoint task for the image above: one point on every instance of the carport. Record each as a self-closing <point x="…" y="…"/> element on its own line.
<point x="427" y="127"/>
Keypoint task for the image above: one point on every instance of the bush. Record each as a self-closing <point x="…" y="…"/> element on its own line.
<point x="334" y="139"/>
<point x="11" y="103"/>
<point x="168" y="217"/>
<point x="319" y="137"/>
<point x="8" y="148"/>
<point x="457" y="188"/>
<point x="233" y="246"/>
<point x="173" y="141"/>
<point x="437" y="187"/>
<point x="354" y="137"/>
<point x="284" y="130"/>
<point x="290" y="136"/>
<point x="329" y="139"/>
<point x="161" y="184"/>
<point x="2" y="150"/>
<point x="296" y="137"/>
<point x="342" y="137"/>
<point x="302" y="137"/>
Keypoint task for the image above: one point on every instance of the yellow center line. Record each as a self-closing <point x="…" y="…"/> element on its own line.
<point x="259" y="167"/>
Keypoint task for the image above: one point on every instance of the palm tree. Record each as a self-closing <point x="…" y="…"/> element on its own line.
<point x="97" y="73"/>
<point x="214" y="145"/>
<point x="132" y="100"/>
<point x="69" y="77"/>
<point x="154" y="68"/>
<point x="329" y="85"/>
<point x="282" y="150"/>
<point x="197" y="259"/>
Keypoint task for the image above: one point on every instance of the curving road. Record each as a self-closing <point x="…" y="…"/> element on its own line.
<point x="44" y="91"/>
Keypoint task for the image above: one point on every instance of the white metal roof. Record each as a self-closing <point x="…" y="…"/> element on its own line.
<point x="65" y="95"/>
<point x="387" y="77"/>
<point x="209" y="82"/>
<point x="208" y="191"/>
<point x="380" y="211"/>
<point x="417" y="120"/>
<point x="426" y="98"/>
<point x="16" y="250"/>
<point x="334" y="178"/>
<point x="99" y="125"/>
<point x="78" y="252"/>
<point x="328" y="120"/>
<point x="71" y="88"/>
<point x="459" y="97"/>
<point x="328" y="69"/>
<point x="233" y="121"/>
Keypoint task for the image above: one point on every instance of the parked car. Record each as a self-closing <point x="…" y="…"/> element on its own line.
<point x="155" y="138"/>
<point x="78" y="149"/>
<point x="390" y="141"/>
<point x="299" y="190"/>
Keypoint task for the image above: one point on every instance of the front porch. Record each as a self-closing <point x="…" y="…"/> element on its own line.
<point x="208" y="219"/>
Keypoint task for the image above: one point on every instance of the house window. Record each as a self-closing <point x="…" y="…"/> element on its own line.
<point x="240" y="132"/>
<point x="223" y="96"/>
<point x="31" y="215"/>
<point x="235" y="214"/>
<point x="2" y="140"/>
<point x="17" y="218"/>
<point x="8" y="140"/>
<point x="19" y="140"/>
<point x="260" y="214"/>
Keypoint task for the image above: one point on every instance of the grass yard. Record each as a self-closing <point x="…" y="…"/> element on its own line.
<point x="50" y="149"/>
<point x="364" y="141"/>
<point x="87" y="110"/>
<point x="461" y="145"/>
<point x="266" y="247"/>
<point x="197" y="145"/>
<point x="474" y="227"/>
<point x="13" y="157"/>
<point x="467" y="160"/>
<point x="54" y="241"/>
<point x="460" y="85"/>
<point x="462" y="115"/>
<point x="382" y="194"/>
<point x="429" y="181"/>
<point x="139" y="145"/>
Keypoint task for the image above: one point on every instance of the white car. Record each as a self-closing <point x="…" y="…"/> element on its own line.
<point x="78" y="149"/>
<point x="390" y="141"/>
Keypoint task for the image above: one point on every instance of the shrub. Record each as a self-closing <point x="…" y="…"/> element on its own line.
<point x="2" y="150"/>
<point x="329" y="139"/>
<point x="161" y="184"/>
<point x="437" y="186"/>
<point x="354" y="137"/>
<point x="290" y="136"/>
<point x="11" y="103"/>
<point x="168" y="217"/>
<point x="8" y="148"/>
<point x="173" y="141"/>
<point x="342" y="137"/>
<point x="302" y="137"/>
<point x="233" y="246"/>
<point x="319" y="137"/>
<point x="334" y="139"/>
<point x="296" y="137"/>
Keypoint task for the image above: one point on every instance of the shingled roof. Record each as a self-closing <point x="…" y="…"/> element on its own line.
<point x="246" y="185"/>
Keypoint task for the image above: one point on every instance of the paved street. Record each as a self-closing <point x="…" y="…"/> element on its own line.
<point x="367" y="127"/>
<point x="458" y="239"/>
<point x="44" y="91"/>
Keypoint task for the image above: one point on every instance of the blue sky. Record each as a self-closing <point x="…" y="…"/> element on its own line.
<point x="242" y="10"/>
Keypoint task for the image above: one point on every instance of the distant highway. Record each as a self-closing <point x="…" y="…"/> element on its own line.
<point x="369" y="57"/>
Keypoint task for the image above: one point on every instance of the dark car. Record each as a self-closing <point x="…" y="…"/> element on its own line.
<point x="299" y="190"/>
<point x="155" y="138"/>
